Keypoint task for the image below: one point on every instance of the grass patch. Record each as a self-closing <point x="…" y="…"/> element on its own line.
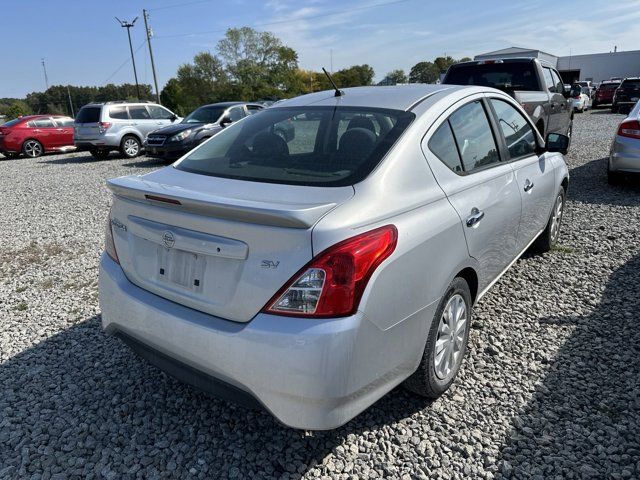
<point x="562" y="249"/>
<point x="21" y="289"/>
<point x="21" y="307"/>
<point x="47" y="283"/>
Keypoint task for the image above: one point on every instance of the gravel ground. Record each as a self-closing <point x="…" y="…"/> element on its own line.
<point x="550" y="387"/>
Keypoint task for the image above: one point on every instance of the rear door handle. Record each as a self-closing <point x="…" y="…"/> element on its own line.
<point x="475" y="217"/>
<point x="528" y="185"/>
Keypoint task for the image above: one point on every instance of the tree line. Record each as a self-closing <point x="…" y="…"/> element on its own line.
<point x="246" y="65"/>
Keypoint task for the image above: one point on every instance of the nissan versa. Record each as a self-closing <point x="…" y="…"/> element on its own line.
<point x="312" y="276"/>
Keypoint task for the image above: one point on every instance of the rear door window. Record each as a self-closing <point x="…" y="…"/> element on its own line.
<point x="119" y="113"/>
<point x="88" y="115"/>
<point x="474" y="137"/>
<point x="631" y="84"/>
<point x="518" y="133"/>
<point x="548" y="79"/>
<point x="443" y="145"/>
<point x="139" y="112"/>
<point x="159" y="113"/>
<point x="43" y="123"/>
<point x="63" y="122"/>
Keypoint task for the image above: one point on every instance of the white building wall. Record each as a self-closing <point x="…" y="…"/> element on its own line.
<point x="602" y="66"/>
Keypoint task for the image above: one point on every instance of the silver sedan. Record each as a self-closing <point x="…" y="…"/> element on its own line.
<point x="312" y="274"/>
<point x="624" y="156"/>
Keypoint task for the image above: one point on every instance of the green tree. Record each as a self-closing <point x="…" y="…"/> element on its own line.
<point x="17" y="109"/>
<point x="424" y="72"/>
<point x="443" y="63"/>
<point x="394" y="77"/>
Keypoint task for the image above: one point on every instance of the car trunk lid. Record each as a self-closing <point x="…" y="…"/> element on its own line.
<point x="217" y="245"/>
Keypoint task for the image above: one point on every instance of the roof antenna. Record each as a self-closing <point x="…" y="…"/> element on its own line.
<point x="339" y="92"/>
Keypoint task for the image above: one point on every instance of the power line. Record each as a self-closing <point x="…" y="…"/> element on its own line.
<point x="290" y="20"/>
<point x="123" y="64"/>
<point x="178" y="5"/>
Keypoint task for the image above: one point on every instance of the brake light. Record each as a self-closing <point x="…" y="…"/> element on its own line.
<point x="630" y="129"/>
<point x="104" y="126"/>
<point x="332" y="284"/>
<point x="109" y="244"/>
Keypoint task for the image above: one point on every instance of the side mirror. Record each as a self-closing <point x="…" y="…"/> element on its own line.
<point x="556" y="142"/>
<point x="173" y="117"/>
<point x="566" y="92"/>
<point x="224" y="121"/>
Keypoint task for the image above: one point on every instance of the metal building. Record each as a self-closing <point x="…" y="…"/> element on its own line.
<point x="594" y="66"/>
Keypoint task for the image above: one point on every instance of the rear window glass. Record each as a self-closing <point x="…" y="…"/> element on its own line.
<point x="504" y="76"/>
<point x="443" y="145"/>
<point x="63" y="122"/>
<point x="11" y="123"/>
<point x="608" y="86"/>
<point x="631" y="84"/>
<point x="139" y="113"/>
<point x="119" y="113"/>
<point x="316" y="146"/>
<point x="88" y="115"/>
<point x="204" y="115"/>
<point x="474" y="137"/>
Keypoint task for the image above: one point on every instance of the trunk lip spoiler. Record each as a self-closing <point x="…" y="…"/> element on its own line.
<point x="275" y="213"/>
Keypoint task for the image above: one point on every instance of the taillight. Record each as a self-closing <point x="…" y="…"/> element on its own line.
<point x="104" y="126"/>
<point x="332" y="284"/>
<point x="109" y="244"/>
<point x="630" y="129"/>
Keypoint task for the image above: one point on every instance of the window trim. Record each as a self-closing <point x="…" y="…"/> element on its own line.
<point x="139" y="119"/>
<point x="503" y="141"/>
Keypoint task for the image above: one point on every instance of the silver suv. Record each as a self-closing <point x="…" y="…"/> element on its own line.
<point x="123" y="126"/>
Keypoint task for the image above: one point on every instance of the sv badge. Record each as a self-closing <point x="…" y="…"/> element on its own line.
<point x="269" y="264"/>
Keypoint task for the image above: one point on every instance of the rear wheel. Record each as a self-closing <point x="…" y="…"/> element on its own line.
<point x="614" y="109"/>
<point x="446" y="343"/>
<point x="130" y="146"/>
<point x="549" y="237"/>
<point x="10" y="155"/>
<point x="99" y="154"/>
<point x="32" y="148"/>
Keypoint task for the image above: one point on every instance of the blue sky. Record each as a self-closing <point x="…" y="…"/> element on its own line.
<point x="83" y="44"/>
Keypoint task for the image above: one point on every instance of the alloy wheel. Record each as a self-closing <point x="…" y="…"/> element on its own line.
<point x="556" y="218"/>
<point x="450" y="338"/>
<point x="33" y="149"/>
<point x="131" y="147"/>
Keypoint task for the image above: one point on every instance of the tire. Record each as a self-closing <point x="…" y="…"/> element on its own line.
<point x="614" y="178"/>
<point x="10" y="155"/>
<point x="594" y="106"/>
<point x="433" y="378"/>
<point x="570" y="133"/>
<point x="32" y="148"/>
<point x="614" y="109"/>
<point x="549" y="237"/>
<point x="130" y="146"/>
<point x="99" y="154"/>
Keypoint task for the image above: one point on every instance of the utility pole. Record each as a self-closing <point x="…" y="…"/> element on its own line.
<point x="46" y="79"/>
<point x="70" y="102"/>
<point x="145" y="15"/>
<point x="128" y="25"/>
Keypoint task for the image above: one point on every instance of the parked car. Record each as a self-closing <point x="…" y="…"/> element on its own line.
<point x="534" y="84"/>
<point x="588" y="87"/>
<point x="103" y="127"/>
<point x="624" y="156"/>
<point x="580" y="100"/>
<point x="175" y="140"/>
<point x="303" y="276"/>
<point x="626" y="95"/>
<point x="33" y="135"/>
<point x="604" y="93"/>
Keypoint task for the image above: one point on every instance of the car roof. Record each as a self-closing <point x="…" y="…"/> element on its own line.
<point x="229" y="104"/>
<point x="397" y="97"/>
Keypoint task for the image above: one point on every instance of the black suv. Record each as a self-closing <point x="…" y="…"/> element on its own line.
<point x="627" y="94"/>
<point x="173" y="141"/>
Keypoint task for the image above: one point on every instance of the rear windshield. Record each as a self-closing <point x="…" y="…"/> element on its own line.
<point x="88" y="115"/>
<point x="316" y="146"/>
<point x="11" y="123"/>
<point x="608" y="86"/>
<point x="631" y="84"/>
<point x="504" y="76"/>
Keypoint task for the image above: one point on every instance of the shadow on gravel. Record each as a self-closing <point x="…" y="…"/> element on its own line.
<point x="82" y="404"/>
<point x="83" y="159"/>
<point x="588" y="184"/>
<point x="148" y="163"/>
<point x="584" y="419"/>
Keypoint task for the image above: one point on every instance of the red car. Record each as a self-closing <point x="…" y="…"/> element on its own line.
<point x="604" y="93"/>
<point x="34" y="135"/>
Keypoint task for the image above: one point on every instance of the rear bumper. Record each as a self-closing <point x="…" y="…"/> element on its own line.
<point x="101" y="142"/>
<point x="624" y="155"/>
<point x="310" y="374"/>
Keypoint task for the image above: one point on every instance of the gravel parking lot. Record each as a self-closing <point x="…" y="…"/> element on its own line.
<point x="550" y="387"/>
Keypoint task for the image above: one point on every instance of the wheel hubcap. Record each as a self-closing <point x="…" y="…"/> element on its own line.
<point x="556" y="217"/>
<point x="32" y="149"/>
<point x="450" y="339"/>
<point x="131" y="147"/>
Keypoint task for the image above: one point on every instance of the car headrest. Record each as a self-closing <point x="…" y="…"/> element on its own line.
<point x="360" y="121"/>
<point x="355" y="145"/>
<point x="267" y="144"/>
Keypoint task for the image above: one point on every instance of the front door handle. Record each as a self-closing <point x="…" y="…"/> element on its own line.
<point x="528" y="185"/>
<point x="475" y="217"/>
